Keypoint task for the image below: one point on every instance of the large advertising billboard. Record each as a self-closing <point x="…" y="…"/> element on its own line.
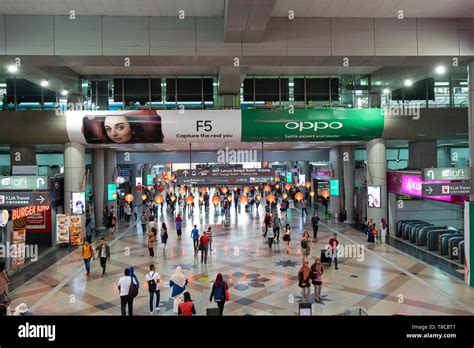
<point x="205" y="126"/>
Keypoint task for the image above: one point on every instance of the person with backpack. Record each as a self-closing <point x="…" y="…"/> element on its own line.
<point x="178" y="284"/>
<point x="128" y="290"/>
<point x="304" y="280"/>
<point x="164" y="235"/>
<point x="186" y="308"/>
<point x="153" y="280"/>
<point x="195" y="237"/>
<point x="87" y="254"/>
<point x="220" y="293"/>
<point x="306" y="245"/>
<point x="276" y="228"/>
<point x="315" y="223"/>
<point x="152" y="241"/>
<point x="316" y="275"/>
<point x="267" y="221"/>
<point x="178" y="222"/>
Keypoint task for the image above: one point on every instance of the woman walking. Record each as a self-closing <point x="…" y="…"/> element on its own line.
<point x="270" y="237"/>
<point x="178" y="284"/>
<point x="152" y="241"/>
<point x="186" y="308"/>
<point x="287" y="237"/>
<point x="87" y="254"/>
<point x="179" y="222"/>
<point x="304" y="280"/>
<point x="164" y="235"/>
<point x="220" y="293"/>
<point x="112" y="221"/>
<point x="317" y="271"/>
<point x="306" y="245"/>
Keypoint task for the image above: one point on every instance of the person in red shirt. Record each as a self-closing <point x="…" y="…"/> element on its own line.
<point x="333" y="243"/>
<point x="204" y="246"/>
<point x="186" y="308"/>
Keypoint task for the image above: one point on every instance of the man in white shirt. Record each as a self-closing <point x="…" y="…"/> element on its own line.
<point x="124" y="284"/>
<point x="152" y="223"/>
<point x="153" y="281"/>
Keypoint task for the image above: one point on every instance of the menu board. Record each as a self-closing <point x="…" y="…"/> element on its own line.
<point x="68" y="229"/>
<point x="18" y="254"/>
<point x="75" y="230"/>
<point x="36" y="221"/>
<point x="62" y="228"/>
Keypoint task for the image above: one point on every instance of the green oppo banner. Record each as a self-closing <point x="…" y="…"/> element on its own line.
<point x="315" y="124"/>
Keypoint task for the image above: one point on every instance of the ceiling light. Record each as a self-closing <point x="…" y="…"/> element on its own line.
<point x="386" y="91"/>
<point x="440" y="69"/>
<point x="12" y="69"/>
<point x="44" y="83"/>
<point x="408" y="83"/>
<point x="64" y="92"/>
<point x="441" y="83"/>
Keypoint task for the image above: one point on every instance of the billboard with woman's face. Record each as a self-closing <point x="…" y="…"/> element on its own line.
<point x="129" y="128"/>
<point x="373" y="196"/>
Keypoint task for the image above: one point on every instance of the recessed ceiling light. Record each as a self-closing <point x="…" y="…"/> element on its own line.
<point x="44" y="83"/>
<point x="12" y="68"/>
<point x="408" y="82"/>
<point x="440" y="69"/>
<point x="386" y="91"/>
<point x="64" y="92"/>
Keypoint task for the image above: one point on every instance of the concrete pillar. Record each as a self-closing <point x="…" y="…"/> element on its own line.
<point x="74" y="174"/>
<point x="422" y="154"/>
<point x="23" y="160"/>
<point x="335" y="161"/>
<point x="304" y="165"/>
<point x="98" y="184"/>
<point x="443" y="156"/>
<point x="134" y="173"/>
<point x="377" y="176"/>
<point x="349" y="181"/>
<point x="110" y="170"/>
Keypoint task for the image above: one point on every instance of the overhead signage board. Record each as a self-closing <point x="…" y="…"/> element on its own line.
<point x="219" y="176"/>
<point x="452" y="189"/>
<point x="19" y="199"/>
<point x="446" y="174"/>
<point x="24" y="183"/>
<point x="204" y="126"/>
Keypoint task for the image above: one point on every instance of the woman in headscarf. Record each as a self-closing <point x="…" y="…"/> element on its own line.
<point x="383" y="230"/>
<point x="178" y="284"/>
<point x="304" y="281"/>
<point x="219" y="289"/>
<point x="316" y="275"/>
<point x="133" y="275"/>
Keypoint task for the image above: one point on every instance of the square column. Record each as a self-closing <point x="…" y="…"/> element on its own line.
<point x="377" y="176"/>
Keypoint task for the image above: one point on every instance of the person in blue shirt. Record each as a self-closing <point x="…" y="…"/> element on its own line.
<point x="133" y="275"/>
<point x="195" y="237"/>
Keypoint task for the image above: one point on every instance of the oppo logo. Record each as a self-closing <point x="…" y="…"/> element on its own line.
<point x="313" y="125"/>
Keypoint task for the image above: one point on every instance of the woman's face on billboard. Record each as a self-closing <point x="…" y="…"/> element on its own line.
<point x="118" y="129"/>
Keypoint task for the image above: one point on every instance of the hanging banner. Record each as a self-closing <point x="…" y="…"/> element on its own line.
<point x="206" y="126"/>
<point x="150" y="126"/>
<point x="310" y="125"/>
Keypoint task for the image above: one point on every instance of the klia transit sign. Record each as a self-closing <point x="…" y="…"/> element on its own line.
<point x="202" y="126"/>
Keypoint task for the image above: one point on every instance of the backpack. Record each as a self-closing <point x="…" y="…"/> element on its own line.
<point x="304" y="244"/>
<point x="133" y="292"/>
<point x="152" y="284"/>
<point x="219" y="293"/>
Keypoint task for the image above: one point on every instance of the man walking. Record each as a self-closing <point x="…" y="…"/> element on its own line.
<point x="204" y="246"/>
<point x="124" y="285"/>
<point x="195" y="237"/>
<point x="153" y="280"/>
<point x="304" y="204"/>
<point x="333" y="243"/>
<point x="103" y="253"/>
<point x="315" y="223"/>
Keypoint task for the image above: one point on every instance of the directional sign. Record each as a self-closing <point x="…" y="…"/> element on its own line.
<point x="446" y="174"/>
<point x="24" y="183"/>
<point x="19" y="199"/>
<point x="452" y="189"/>
<point x="218" y="176"/>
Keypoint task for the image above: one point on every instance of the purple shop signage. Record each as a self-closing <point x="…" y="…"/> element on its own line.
<point x="411" y="184"/>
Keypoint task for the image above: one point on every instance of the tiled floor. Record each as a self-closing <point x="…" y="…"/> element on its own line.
<point x="262" y="281"/>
